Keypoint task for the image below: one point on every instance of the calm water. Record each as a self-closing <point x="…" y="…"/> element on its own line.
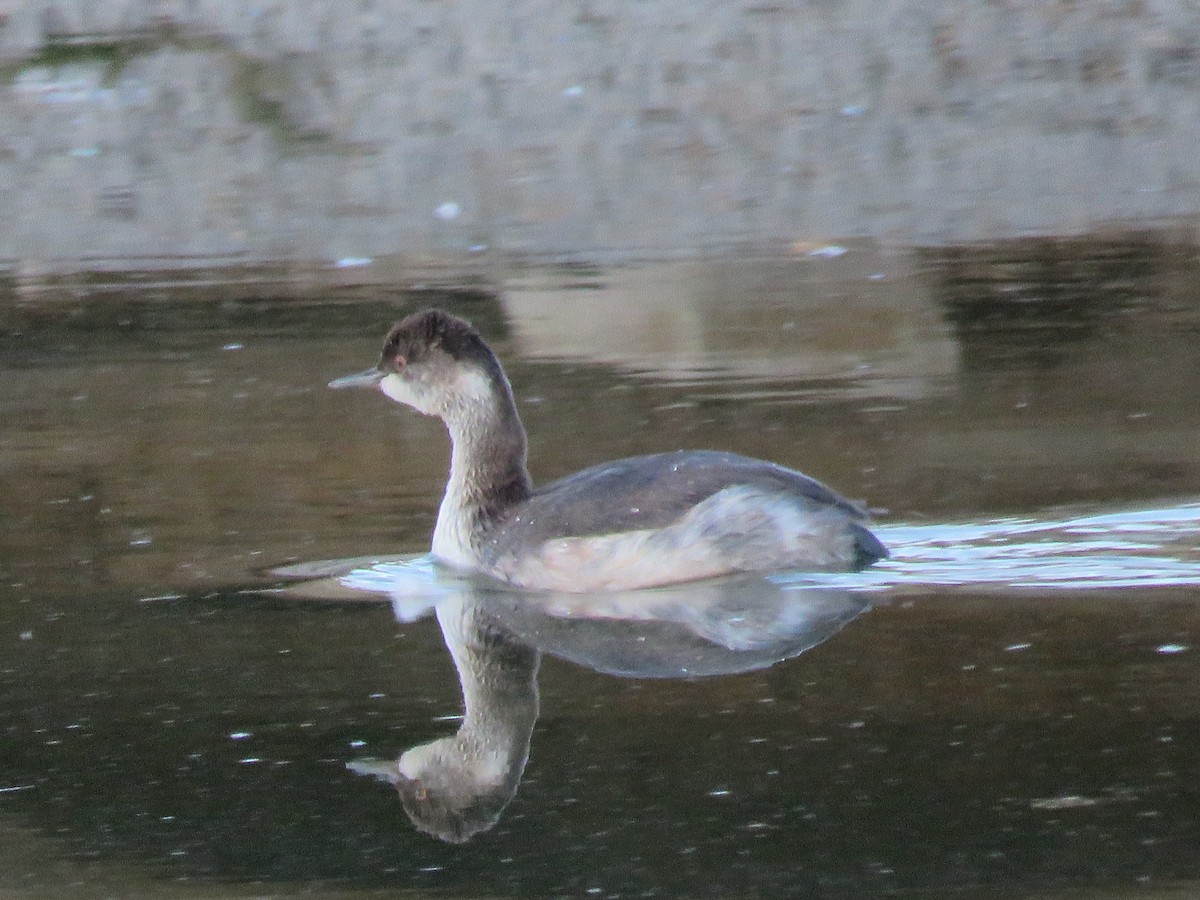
<point x="1010" y="707"/>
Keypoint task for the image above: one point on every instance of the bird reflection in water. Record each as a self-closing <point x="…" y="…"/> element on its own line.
<point x="457" y="786"/>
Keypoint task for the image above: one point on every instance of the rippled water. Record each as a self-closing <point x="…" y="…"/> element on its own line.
<point x="1005" y="708"/>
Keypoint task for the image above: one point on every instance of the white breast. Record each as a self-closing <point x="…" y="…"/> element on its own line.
<point x="452" y="534"/>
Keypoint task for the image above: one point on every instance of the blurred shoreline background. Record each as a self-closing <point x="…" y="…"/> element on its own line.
<point x="390" y="138"/>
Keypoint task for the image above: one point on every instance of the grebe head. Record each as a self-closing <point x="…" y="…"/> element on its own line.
<point x="434" y="362"/>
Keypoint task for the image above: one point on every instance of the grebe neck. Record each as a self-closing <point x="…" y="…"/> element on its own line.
<point x="487" y="464"/>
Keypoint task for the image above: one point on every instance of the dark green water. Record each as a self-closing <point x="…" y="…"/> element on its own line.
<point x="979" y="733"/>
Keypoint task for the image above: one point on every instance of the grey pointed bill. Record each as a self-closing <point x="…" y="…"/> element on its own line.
<point x="368" y="379"/>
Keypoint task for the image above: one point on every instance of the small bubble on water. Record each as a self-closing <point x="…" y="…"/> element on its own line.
<point x="240" y="735"/>
<point x="1170" y="648"/>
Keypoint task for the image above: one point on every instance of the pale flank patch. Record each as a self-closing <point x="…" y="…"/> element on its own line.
<point x="611" y="562"/>
<point x="739" y="529"/>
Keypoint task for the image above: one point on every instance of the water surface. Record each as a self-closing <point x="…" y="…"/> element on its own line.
<point x="1015" y="715"/>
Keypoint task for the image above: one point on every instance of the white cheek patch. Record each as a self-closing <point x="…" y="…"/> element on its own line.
<point x="403" y="390"/>
<point x="474" y="386"/>
<point x="446" y="391"/>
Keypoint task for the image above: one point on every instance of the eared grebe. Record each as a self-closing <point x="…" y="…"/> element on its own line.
<point x="633" y="523"/>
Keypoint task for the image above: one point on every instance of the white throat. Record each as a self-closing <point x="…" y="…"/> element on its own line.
<point x="452" y="537"/>
<point x="471" y="414"/>
<point x="487" y="455"/>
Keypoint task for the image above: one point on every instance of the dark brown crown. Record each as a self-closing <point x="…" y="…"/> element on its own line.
<point x="415" y="336"/>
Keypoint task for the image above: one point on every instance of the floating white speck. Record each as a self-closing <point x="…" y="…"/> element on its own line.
<point x="240" y="735"/>
<point x="719" y="793"/>
<point x="477" y="248"/>
<point x="358" y="743"/>
<point x="853" y="110"/>
<point x="17" y="787"/>
<point x="233" y="347"/>
<point x="250" y="760"/>
<point x="158" y="597"/>
<point x="26" y="635"/>
<point x="575" y="90"/>
<point x="353" y="262"/>
<point x="1171" y="648"/>
<point x="141" y="542"/>
<point x="1067" y="801"/>
<point x="829" y="251"/>
<point x="84" y="151"/>
<point x="1014" y="648"/>
<point x="448" y="211"/>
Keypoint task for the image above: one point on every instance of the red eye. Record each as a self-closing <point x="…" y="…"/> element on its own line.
<point x="399" y="362"/>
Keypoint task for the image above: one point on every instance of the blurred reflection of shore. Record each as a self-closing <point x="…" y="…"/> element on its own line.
<point x="154" y="442"/>
<point x="751" y="319"/>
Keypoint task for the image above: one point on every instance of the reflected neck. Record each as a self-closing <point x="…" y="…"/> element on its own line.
<point x="498" y="676"/>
